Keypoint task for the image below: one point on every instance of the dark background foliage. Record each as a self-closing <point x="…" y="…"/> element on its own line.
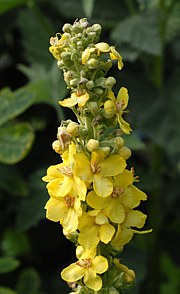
<point x="147" y="34"/>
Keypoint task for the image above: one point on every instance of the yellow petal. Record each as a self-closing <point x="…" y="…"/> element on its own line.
<point x="83" y="99"/>
<point x="91" y="280"/>
<point x="70" y="221"/>
<point x="115" y="211"/>
<point x="80" y="187"/>
<point x="125" y="126"/>
<point x="106" y="233"/>
<point x="122" y="237"/>
<point x="81" y="253"/>
<point x="69" y="102"/>
<point x="124" y="179"/>
<point x="55" y="209"/>
<point x="102" y="186"/>
<point x="100" y="264"/>
<point x="97" y="157"/>
<point x="60" y="188"/>
<point x="53" y="173"/>
<point x="101" y="219"/>
<point x="113" y="166"/>
<point x="89" y="237"/>
<point x="86" y="53"/>
<point x="103" y="47"/>
<point x="114" y="55"/>
<point x="82" y="167"/>
<point x="123" y="97"/>
<point x="97" y="202"/>
<point x="135" y="218"/>
<point x="73" y="273"/>
<point x="132" y="196"/>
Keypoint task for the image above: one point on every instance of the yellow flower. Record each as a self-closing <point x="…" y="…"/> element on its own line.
<point x="120" y="104"/>
<point x="114" y="55"/>
<point x="94" y="227"/>
<point x="62" y="179"/>
<point x="99" y="170"/>
<point x="76" y="98"/>
<point x="87" y="267"/>
<point x="57" y="45"/>
<point x="124" y="195"/>
<point x="124" y="234"/>
<point x="65" y="209"/>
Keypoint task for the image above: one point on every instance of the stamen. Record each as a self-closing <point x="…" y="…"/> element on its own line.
<point x="95" y="168"/>
<point x="84" y="262"/>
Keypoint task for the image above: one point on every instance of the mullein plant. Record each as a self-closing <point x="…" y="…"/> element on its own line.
<point x="92" y="192"/>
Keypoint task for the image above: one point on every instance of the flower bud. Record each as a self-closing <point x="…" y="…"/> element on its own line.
<point x="129" y="277"/>
<point x="110" y="81"/>
<point x="106" y="150"/>
<point x="92" y="145"/>
<point x="98" y="91"/>
<point x="56" y="146"/>
<point x="97" y="28"/>
<point x="90" y="85"/>
<point x="119" y="141"/>
<point x="125" y="152"/>
<point x="93" y="106"/>
<point x="73" y="129"/>
<point x="109" y="109"/>
<point x="67" y="28"/>
<point x="92" y="63"/>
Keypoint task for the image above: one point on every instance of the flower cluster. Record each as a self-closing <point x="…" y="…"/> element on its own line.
<point x="92" y="192"/>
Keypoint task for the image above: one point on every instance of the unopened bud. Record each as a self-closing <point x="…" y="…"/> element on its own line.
<point x="119" y="141"/>
<point x="73" y="129"/>
<point x="97" y="28"/>
<point x="92" y="63"/>
<point x="109" y="109"/>
<point x="129" y="277"/>
<point x="90" y="85"/>
<point x="92" y="145"/>
<point x="93" y="106"/>
<point x="106" y="150"/>
<point x="110" y="81"/>
<point x="125" y="152"/>
<point x="67" y="28"/>
<point x="56" y="145"/>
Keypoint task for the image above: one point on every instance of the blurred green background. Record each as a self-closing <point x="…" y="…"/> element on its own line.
<point x="33" y="250"/>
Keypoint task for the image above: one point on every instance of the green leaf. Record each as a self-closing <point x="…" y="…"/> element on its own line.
<point x="31" y="210"/>
<point x="15" y="142"/>
<point x="88" y="6"/>
<point x="46" y="86"/>
<point x="36" y="31"/>
<point x="8" y="264"/>
<point x="140" y="32"/>
<point x="5" y="290"/>
<point x="14" y="243"/>
<point x="29" y="282"/>
<point x="6" y="5"/>
<point x="12" y="181"/>
<point x="13" y="103"/>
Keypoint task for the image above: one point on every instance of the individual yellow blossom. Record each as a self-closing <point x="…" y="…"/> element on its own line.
<point x="114" y="55"/>
<point x="120" y="104"/>
<point x="65" y="209"/>
<point x="57" y="45"/>
<point x="94" y="227"/>
<point x="99" y="170"/>
<point x="124" y="234"/>
<point x="79" y="98"/>
<point x="87" y="267"/>
<point x="61" y="178"/>
<point x="124" y="195"/>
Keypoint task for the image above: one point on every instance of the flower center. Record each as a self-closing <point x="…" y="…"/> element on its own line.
<point x="119" y="106"/>
<point x="117" y="191"/>
<point x="69" y="202"/>
<point x="86" y="262"/>
<point x="95" y="168"/>
<point x="67" y="171"/>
